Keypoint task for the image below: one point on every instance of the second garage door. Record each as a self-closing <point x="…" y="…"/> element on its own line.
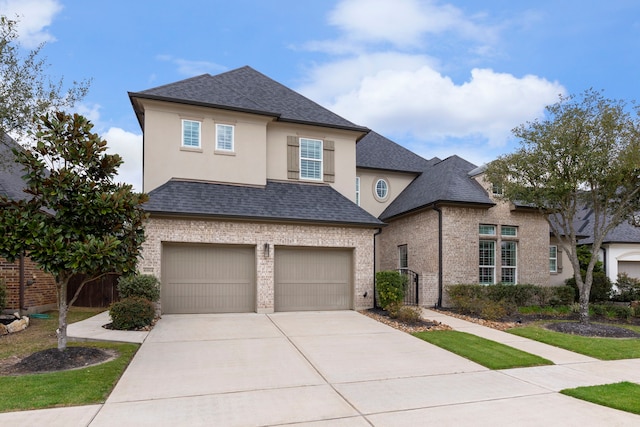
<point x="313" y="279"/>
<point x="208" y="279"/>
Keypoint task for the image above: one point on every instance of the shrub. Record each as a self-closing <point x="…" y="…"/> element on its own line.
<point x="600" y="288"/>
<point x="132" y="313"/>
<point x="492" y="310"/>
<point x="139" y="285"/>
<point x="628" y="288"/>
<point x="3" y="295"/>
<point x="389" y="287"/>
<point x="562" y="295"/>
<point x="409" y="314"/>
<point x="619" y="312"/>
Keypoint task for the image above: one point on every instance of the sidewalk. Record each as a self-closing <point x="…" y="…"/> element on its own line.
<point x="91" y="330"/>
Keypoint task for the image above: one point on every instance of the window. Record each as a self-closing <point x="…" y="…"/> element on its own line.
<point x="310" y="159"/>
<point x="224" y="137"/>
<point x="553" y="259"/>
<point x="190" y="134"/>
<point x="358" y="190"/>
<point x="382" y="189"/>
<point x="497" y="190"/>
<point x="403" y="256"/>
<point x="487" y="262"/>
<point x="487" y="230"/>
<point x="509" y="231"/>
<point x="509" y="262"/>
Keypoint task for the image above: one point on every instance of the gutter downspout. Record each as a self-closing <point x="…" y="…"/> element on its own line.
<point x="375" y="302"/>
<point x="437" y="209"/>
<point x="21" y="284"/>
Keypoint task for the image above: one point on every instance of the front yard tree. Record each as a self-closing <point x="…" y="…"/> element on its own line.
<point x="25" y="89"/>
<point x="76" y="220"/>
<point x="584" y="153"/>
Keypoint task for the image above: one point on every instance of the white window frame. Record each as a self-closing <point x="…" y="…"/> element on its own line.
<point x="318" y="161"/>
<point x="221" y="133"/>
<point x="358" y="190"/>
<point x="489" y="268"/>
<point x="378" y="187"/>
<point x="504" y="267"/>
<point x="487" y="230"/>
<point x="184" y="136"/>
<point x="403" y="255"/>
<point x="508" y="227"/>
<point x="553" y="258"/>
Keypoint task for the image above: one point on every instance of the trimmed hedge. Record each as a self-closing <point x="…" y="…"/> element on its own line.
<point x="600" y="288"/>
<point x="132" y="313"/>
<point x="139" y="285"/>
<point x="495" y="301"/>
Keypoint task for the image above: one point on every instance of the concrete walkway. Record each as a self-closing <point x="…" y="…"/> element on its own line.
<point x="332" y="369"/>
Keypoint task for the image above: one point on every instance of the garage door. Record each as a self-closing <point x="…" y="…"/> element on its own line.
<point x="632" y="268"/>
<point x="313" y="279"/>
<point x="208" y="279"/>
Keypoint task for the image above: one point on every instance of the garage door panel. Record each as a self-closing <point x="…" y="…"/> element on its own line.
<point x="632" y="268"/>
<point x="208" y="279"/>
<point x="313" y="279"/>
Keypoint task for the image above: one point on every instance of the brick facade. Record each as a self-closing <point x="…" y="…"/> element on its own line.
<point x="159" y="230"/>
<point x="460" y="257"/>
<point x="38" y="297"/>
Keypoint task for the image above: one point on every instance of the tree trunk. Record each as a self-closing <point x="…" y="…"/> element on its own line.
<point x="62" y="316"/>
<point x="584" y="309"/>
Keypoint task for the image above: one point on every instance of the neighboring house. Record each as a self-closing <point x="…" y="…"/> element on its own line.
<point x="29" y="289"/>
<point x="444" y="222"/>
<point x="252" y="198"/>
<point x="619" y="253"/>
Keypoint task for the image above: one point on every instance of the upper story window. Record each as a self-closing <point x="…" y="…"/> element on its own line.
<point x="358" y="190"/>
<point x="224" y="137"/>
<point x="487" y="230"/>
<point x="191" y="133"/>
<point x="382" y="189"/>
<point x="509" y="231"/>
<point x="497" y="189"/>
<point x="310" y="159"/>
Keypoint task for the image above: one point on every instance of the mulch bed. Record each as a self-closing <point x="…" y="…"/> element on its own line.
<point x="592" y="330"/>
<point x="420" y="326"/>
<point x="51" y="360"/>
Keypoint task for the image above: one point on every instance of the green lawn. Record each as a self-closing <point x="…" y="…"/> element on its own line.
<point x="624" y="396"/>
<point x="487" y="353"/>
<point x="67" y="388"/>
<point x="600" y="348"/>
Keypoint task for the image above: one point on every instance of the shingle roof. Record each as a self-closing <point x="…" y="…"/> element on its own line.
<point x="11" y="182"/>
<point x="623" y="233"/>
<point x="374" y="151"/>
<point x="279" y="201"/>
<point x="245" y="89"/>
<point x="447" y="181"/>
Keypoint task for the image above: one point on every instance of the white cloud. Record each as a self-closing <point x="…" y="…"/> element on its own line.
<point x="33" y="17"/>
<point x="192" y="68"/>
<point x="129" y="146"/>
<point x="391" y="79"/>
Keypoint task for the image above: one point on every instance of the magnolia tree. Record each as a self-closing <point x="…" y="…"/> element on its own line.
<point x="75" y="218"/>
<point x="585" y="153"/>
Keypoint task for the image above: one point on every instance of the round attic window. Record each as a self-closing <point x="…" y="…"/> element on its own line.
<point x="382" y="189"/>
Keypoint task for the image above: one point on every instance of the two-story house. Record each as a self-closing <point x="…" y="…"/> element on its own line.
<point x="252" y="200"/>
<point x="262" y="200"/>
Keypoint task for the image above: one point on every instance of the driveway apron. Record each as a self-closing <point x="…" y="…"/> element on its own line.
<point x="322" y="369"/>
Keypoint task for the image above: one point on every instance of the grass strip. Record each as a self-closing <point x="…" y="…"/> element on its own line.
<point x="487" y="353"/>
<point x="600" y="348"/>
<point x="624" y="396"/>
<point x="66" y="388"/>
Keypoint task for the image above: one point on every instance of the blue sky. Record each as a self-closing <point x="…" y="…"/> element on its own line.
<point x="438" y="77"/>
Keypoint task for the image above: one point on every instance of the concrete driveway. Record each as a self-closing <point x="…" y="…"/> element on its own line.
<point x="321" y="369"/>
<point x="330" y="369"/>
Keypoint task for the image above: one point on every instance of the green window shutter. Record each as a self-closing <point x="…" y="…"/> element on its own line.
<point x="293" y="157"/>
<point x="328" y="161"/>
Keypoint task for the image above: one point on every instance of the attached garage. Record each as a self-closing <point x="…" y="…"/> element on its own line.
<point x="207" y="278"/>
<point x="632" y="268"/>
<point x="313" y="279"/>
